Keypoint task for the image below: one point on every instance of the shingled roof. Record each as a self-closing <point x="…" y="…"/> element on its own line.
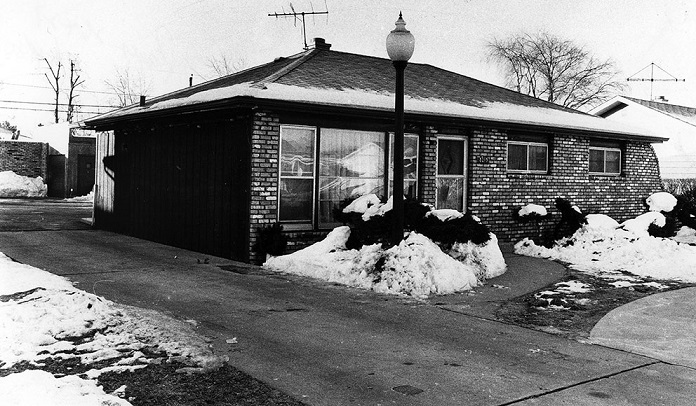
<point x="682" y="113"/>
<point x="325" y="77"/>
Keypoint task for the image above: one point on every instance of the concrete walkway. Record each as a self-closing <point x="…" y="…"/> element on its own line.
<point x="332" y="345"/>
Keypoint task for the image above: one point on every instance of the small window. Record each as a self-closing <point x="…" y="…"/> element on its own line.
<point x="527" y="157"/>
<point x="605" y="161"/>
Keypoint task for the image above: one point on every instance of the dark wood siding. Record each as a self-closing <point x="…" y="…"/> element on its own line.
<point x="184" y="185"/>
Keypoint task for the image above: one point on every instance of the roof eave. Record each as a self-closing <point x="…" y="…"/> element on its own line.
<point x="352" y="111"/>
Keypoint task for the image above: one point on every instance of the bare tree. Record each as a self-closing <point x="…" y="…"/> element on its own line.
<point x="128" y="88"/>
<point x="224" y="65"/>
<point x="557" y="70"/>
<point x="54" y="81"/>
<point x="74" y="83"/>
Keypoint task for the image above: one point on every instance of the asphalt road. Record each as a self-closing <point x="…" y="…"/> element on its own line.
<point x="43" y="214"/>
<point x="330" y="345"/>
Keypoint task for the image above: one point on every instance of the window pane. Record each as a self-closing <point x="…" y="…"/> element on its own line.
<point x="517" y="157"/>
<point x="450" y="157"/>
<point x="450" y="193"/>
<point x="596" y="160"/>
<point x="297" y="152"/>
<point x="296" y="199"/>
<point x="613" y="162"/>
<point x="537" y="157"/>
<point x="351" y="164"/>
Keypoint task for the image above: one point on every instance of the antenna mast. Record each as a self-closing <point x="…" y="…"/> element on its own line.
<point x="652" y="79"/>
<point x="300" y="16"/>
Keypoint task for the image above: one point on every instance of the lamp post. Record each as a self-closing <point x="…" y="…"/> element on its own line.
<point x="400" y="45"/>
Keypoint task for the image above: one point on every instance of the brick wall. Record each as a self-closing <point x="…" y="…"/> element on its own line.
<point x="495" y="194"/>
<point x="265" y="141"/>
<point x="24" y="158"/>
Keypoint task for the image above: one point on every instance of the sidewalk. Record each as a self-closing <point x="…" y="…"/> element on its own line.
<point x="332" y="345"/>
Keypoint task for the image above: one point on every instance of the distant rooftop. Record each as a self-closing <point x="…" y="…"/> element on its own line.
<point x="683" y="113"/>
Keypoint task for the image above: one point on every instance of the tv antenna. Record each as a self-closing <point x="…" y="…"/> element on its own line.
<point x="300" y="16"/>
<point x="652" y="78"/>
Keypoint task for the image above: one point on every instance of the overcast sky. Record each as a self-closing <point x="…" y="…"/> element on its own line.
<point x="164" y="42"/>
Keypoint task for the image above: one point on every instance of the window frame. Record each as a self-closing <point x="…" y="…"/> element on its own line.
<point x="314" y="223"/>
<point x="527" y="144"/>
<point x="465" y="168"/>
<point x="298" y="224"/>
<point x="604" y="151"/>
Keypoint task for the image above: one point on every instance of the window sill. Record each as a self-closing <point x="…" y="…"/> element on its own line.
<point x="297" y="227"/>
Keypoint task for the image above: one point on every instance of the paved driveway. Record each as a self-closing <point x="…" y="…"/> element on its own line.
<point x="43" y="214"/>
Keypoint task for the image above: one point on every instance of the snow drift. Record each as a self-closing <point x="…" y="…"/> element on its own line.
<point x="13" y="185"/>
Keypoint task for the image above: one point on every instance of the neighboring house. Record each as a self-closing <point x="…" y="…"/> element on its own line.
<point x="678" y="123"/>
<point x="206" y="167"/>
<point x="71" y="158"/>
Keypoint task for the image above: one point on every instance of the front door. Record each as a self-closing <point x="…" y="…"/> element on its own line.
<point x="85" y="174"/>
<point x="451" y="178"/>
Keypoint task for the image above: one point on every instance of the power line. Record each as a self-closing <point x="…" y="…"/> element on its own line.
<point x="48" y="110"/>
<point x="46" y="87"/>
<point x="53" y="104"/>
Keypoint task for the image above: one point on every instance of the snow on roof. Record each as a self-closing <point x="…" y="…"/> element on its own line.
<point x="339" y="79"/>
<point x="681" y="113"/>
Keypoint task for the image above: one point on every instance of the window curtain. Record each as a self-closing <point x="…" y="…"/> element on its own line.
<point x="351" y="164"/>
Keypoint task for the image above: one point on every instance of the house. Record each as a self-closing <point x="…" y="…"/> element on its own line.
<point x="208" y="166"/>
<point x="677" y="123"/>
<point x="70" y="159"/>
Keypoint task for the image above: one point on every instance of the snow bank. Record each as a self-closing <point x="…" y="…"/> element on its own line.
<point x="42" y="315"/>
<point x="88" y="198"/>
<point x="416" y="267"/>
<point x="600" y="250"/>
<point x="601" y="221"/>
<point x="13" y="185"/>
<point x="19" y="390"/>
<point x="661" y="201"/>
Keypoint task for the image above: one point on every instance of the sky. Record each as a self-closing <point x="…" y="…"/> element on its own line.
<point x="163" y="43"/>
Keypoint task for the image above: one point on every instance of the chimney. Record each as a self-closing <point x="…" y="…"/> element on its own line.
<point x="320" y="43"/>
<point x="191" y="80"/>
<point x="142" y="101"/>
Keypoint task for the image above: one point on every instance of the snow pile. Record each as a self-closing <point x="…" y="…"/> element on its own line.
<point x="445" y="214"/>
<point x="628" y="248"/>
<point x="19" y="390"/>
<point x="13" y="185"/>
<point x="416" y="267"/>
<point x="532" y="209"/>
<point x="661" y="201"/>
<point x="88" y="198"/>
<point x="43" y="316"/>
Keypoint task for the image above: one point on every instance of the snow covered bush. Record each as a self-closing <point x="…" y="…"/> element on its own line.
<point x="13" y="185"/>
<point x="445" y="251"/>
<point x="370" y="223"/>
<point x="535" y="214"/>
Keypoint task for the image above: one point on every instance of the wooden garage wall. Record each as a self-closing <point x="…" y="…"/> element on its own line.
<point x="184" y="185"/>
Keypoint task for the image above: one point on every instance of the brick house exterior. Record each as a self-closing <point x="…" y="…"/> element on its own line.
<point x="305" y="132"/>
<point x="24" y="158"/>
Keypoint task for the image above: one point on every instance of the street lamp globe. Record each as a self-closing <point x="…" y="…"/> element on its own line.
<point x="400" y="42"/>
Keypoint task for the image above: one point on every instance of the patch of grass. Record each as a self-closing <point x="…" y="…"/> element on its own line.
<point x="580" y="311"/>
<point x="160" y="385"/>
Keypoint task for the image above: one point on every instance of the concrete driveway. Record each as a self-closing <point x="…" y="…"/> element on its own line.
<point x="332" y="345"/>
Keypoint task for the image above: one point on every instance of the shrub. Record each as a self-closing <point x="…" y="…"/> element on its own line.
<point x="377" y="229"/>
<point x="271" y="240"/>
<point x="571" y="219"/>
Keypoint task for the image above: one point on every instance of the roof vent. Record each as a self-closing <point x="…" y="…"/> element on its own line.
<point x="320" y="43"/>
<point x="142" y="101"/>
